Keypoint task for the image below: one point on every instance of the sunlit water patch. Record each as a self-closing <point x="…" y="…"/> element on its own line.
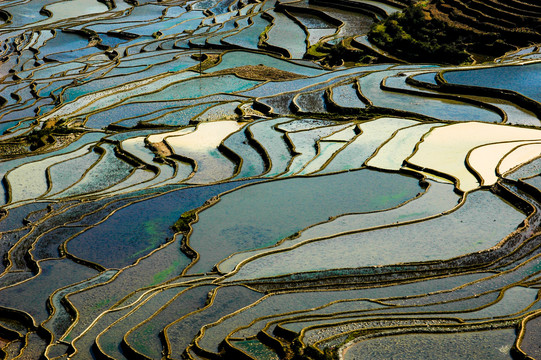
<point x="373" y="134"/>
<point x="445" y="148"/>
<point x="486" y="160"/>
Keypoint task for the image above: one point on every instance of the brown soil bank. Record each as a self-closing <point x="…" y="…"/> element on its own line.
<point x="260" y="72"/>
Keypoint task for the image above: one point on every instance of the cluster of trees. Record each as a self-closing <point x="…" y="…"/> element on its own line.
<point x="44" y="136"/>
<point x="415" y="36"/>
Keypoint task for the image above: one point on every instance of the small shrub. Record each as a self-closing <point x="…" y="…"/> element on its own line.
<point x="183" y="223"/>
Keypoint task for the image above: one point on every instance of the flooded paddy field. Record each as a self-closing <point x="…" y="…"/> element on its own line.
<point x="183" y="180"/>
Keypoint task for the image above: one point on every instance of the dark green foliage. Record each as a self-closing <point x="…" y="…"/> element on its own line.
<point x="39" y="138"/>
<point x="311" y="353"/>
<point x="330" y="353"/>
<point x="183" y="223"/>
<point x="414" y="35"/>
<point x="45" y="136"/>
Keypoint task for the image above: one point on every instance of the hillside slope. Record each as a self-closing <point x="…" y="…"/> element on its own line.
<point x="458" y="31"/>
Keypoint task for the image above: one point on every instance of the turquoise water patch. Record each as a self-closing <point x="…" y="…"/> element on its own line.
<point x="523" y="79"/>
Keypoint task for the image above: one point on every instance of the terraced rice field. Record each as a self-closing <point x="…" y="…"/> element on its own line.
<point x="199" y="189"/>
